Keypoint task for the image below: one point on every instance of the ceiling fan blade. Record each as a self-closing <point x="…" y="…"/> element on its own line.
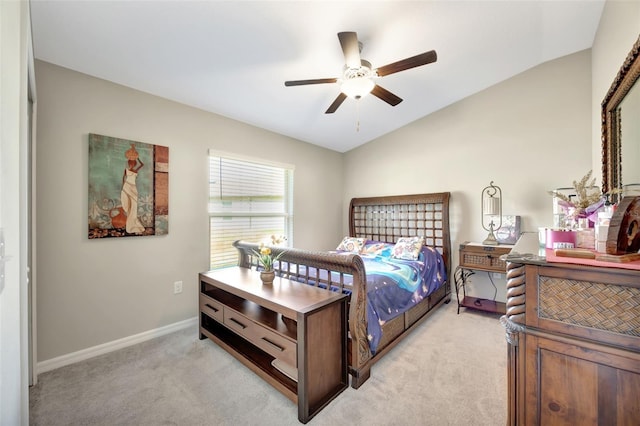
<point x="385" y="95"/>
<point x="350" y="48"/>
<point x="334" y="106"/>
<point x="316" y="81"/>
<point x="405" y="64"/>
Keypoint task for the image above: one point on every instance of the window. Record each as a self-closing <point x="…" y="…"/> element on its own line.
<point x="248" y="200"/>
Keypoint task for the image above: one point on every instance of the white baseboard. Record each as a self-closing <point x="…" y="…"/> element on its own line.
<point x="68" y="359"/>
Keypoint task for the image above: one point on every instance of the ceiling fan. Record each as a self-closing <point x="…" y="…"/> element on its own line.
<point x="357" y="78"/>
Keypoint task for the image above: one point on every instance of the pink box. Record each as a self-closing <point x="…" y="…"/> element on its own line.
<point x="560" y="236"/>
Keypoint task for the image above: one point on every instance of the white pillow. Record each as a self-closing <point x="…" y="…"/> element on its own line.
<point x="351" y="244"/>
<point x="407" y="248"/>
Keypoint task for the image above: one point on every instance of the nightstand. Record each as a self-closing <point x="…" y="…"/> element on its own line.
<point x="478" y="257"/>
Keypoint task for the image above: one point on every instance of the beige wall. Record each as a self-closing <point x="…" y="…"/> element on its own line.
<point x="96" y="291"/>
<point x="618" y="30"/>
<point x="529" y="134"/>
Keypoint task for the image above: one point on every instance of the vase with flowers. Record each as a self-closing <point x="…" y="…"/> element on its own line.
<point x="266" y="260"/>
<point x="584" y="204"/>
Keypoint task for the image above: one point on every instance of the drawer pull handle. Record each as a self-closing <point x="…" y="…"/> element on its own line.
<point x="238" y="323"/>
<point x="211" y="307"/>
<point x="275" y="345"/>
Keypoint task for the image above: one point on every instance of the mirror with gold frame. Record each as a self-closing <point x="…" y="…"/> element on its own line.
<point x="621" y="163"/>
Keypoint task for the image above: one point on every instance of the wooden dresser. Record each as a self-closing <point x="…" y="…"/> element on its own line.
<point x="573" y="336"/>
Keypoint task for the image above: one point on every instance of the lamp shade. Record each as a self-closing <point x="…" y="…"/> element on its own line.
<point x="357" y="87"/>
<point x="491" y="206"/>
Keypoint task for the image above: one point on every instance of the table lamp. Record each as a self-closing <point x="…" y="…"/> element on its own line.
<point x="491" y="200"/>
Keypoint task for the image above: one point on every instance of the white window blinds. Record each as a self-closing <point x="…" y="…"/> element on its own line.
<point x="248" y="200"/>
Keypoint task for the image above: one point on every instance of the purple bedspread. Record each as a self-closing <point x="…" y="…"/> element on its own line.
<point x="395" y="285"/>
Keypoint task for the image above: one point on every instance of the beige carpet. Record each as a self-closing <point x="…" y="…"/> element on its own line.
<point x="450" y="371"/>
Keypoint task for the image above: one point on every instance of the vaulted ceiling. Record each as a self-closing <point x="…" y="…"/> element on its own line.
<point x="232" y="57"/>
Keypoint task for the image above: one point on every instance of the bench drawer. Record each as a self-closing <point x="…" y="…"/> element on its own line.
<point x="269" y="341"/>
<point x="275" y="345"/>
<point x="211" y="307"/>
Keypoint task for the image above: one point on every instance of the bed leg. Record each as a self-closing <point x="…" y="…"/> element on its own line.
<point x="359" y="377"/>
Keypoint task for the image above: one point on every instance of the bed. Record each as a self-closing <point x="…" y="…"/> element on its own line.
<point x="361" y="264"/>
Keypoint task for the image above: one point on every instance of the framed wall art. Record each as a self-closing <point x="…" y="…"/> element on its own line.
<point x="509" y="232"/>
<point x="128" y="188"/>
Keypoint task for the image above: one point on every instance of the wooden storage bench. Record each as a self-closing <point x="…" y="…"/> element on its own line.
<point x="291" y="334"/>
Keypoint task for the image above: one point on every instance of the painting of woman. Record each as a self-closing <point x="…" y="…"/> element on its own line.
<point x="129" y="203"/>
<point x="129" y="193"/>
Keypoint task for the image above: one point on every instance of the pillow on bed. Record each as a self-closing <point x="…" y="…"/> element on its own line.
<point x="351" y="244"/>
<point x="407" y="248"/>
<point x="377" y="248"/>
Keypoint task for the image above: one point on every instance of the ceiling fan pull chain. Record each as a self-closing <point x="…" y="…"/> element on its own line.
<point x="358" y="115"/>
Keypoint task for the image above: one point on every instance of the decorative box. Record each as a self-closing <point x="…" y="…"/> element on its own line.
<point x="560" y="238"/>
<point x="586" y="238"/>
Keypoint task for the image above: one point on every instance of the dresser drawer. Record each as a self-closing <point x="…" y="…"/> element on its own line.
<point x="482" y="261"/>
<point x="481" y="257"/>
<point x="264" y="338"/>
<point x="211" y="307"/>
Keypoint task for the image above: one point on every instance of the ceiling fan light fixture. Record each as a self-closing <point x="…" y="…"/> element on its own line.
<point x="357" y="87"/>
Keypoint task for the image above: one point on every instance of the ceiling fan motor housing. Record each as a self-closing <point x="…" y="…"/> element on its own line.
<point x="364" y="70"/>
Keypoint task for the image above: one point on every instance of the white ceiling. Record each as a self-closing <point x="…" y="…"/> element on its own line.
<point x="232" y="57"/>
